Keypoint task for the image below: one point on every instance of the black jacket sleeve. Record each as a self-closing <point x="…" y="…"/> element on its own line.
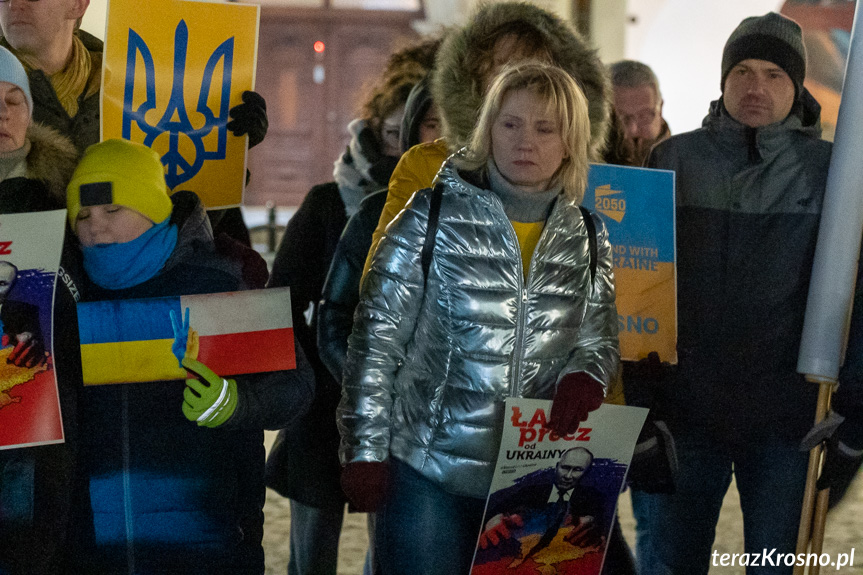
<point x="276" y="399"/>
<point x="304" y="256"/>
<point x="341" y="292"/>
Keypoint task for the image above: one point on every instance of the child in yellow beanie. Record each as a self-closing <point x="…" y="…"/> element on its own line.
<point x="118" y="205"/>
<point x="175" y="470"/>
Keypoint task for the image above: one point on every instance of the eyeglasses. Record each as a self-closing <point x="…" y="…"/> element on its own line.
<point x="642" y="118"/>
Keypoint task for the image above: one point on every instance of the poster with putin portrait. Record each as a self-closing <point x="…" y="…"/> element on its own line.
<point x="552" y="499"/>
<point x="30" y="249"/>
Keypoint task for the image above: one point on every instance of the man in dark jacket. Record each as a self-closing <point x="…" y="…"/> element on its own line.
<point x="63" y="64"/>
<point x="750" y="185"/>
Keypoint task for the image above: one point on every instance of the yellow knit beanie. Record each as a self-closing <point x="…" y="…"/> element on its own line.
<point x="123" y="173"/>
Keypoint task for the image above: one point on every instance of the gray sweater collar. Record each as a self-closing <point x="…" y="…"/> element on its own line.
<point x="14" y="164"/>
<point x="521" y="206"/>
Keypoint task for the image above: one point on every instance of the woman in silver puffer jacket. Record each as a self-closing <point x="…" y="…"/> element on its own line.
<point x="509" y="306"/>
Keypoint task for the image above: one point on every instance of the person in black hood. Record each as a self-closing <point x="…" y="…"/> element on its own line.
<point x="341" y="292"/>
<point x="303" y="464"/>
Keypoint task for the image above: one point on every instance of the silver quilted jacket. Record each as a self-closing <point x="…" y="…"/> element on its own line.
<point x="430" y="362"/>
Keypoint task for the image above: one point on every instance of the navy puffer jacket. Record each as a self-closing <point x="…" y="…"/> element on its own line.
<point x="166" y="495"/>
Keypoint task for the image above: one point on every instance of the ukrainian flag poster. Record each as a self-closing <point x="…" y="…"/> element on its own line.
<point x="637" y="207"/>
<point x="133" y="341"/>
<point x="172" y="70"/>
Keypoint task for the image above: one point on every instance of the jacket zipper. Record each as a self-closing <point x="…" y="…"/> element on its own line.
<point x="518" y="351"/>
<point x="127" y="488"/>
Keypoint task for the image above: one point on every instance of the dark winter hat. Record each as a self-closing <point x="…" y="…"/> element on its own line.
<point x="771" y="37"/>
<point x="418" y="104"/>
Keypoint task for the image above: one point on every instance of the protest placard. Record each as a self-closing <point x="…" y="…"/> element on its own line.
<point x="171" y="73"/>
<point x="552" y="500"/>
<point x="30" y="249"/>
<point x="129" y="341"/>
<point x="637" y="207"/>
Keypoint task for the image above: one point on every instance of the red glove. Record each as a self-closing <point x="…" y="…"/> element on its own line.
<point x="28" y="351"/>
<point x="577" y="395"/>
<point x="365" y="484"/>
<point x="586" y="535"/>
<point x="497" y="529"/>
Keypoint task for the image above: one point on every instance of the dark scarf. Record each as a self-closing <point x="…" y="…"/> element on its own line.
<point x="363" y="168"/>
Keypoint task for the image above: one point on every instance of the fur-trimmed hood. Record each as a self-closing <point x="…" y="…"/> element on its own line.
<point x="52" y="159"/>
<point x="459" y="95"/>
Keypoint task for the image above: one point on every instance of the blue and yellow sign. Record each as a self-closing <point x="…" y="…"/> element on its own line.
<point x="637" y="207"/>
<point x="171" y="73"/>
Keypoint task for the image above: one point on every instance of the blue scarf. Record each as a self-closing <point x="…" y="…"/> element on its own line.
<point x="119" y="266"/>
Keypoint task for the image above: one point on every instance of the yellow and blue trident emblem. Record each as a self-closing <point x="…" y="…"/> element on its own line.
<point x="175" y="121"/>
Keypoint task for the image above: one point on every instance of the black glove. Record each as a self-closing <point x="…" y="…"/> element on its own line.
<point x="841" y="460"/>
<point x="840" y="466"/>
<point x="365" y="484"/>
<point x="250" y="118"/>
<point x="654" y="463"/>
<point x="643" y="379"/>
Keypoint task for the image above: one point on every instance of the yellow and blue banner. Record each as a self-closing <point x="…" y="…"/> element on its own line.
<point x="129" y="341"/>
<point x="637" y="206"/>
<point x="172" y="69"/>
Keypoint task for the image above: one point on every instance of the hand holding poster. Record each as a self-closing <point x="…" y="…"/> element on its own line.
<point x="172" y="71"/>
<point x="637" y="207"/>
<point x="552" y="499"/>
<point x="30" y="248"/>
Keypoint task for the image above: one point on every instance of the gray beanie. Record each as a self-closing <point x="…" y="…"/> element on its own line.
<point x="771" y="37"/>
<point x="13" y="72"/>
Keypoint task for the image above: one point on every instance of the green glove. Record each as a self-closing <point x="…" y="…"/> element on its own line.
<point x="210" y="402"/>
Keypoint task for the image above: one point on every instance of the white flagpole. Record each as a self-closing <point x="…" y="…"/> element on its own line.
<point x="834" y="271"/>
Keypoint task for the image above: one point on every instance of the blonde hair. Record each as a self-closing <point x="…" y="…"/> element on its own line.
<point x="563" y="99"/>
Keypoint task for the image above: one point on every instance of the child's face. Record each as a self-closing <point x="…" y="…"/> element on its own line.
<point x="431" y="128"/>
<point x="109" y="224"/>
